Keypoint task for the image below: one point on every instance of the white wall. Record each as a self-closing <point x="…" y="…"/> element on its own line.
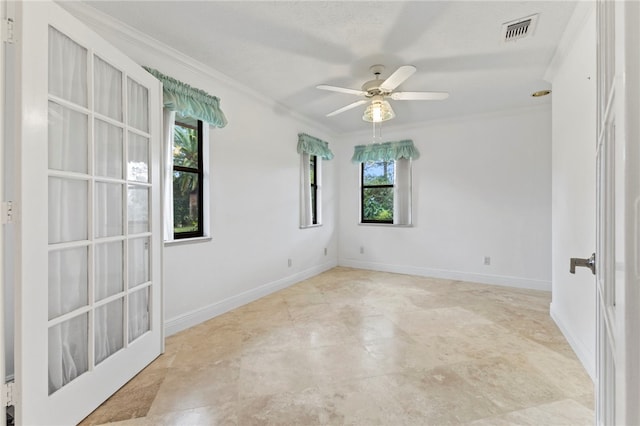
<point x="482" y="187"/>
<point x="254" y="170"/>
<point x="573" y="75"/>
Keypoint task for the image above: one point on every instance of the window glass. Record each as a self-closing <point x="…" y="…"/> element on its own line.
<point x="310" y="190"/>
<point x="187" y="178"/>
<point x="377" y="196"/>
<point x="314" y="188"/>
<point x="378" y="172"/>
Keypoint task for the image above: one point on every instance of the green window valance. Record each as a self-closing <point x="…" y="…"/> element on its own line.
<point x="385" y="151"/>
<point x="313" y="146"/>
<point x="187" y="100"/>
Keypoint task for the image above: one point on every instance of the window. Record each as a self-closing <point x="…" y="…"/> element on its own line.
<point x="311" y="190"/>
<point x="188" y="180"/>
<point x="385" y="189"/>
<point x="385" y="181"/>
<point x="377" y="191"/>
<point x="313" y="160"/>
<point x="312" y="151"/>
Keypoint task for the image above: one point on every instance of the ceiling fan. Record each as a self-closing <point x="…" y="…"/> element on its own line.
<point x="378" y="90"/>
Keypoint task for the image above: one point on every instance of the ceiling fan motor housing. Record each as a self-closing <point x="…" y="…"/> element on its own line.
<point x="372" y="87"/>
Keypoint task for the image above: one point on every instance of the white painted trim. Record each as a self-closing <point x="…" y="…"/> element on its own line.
<point x="3" y="346"/>
<point x="183" y="241"/>
<point x="197" y="316"/>
<point x="109" y="27"/>
<point x="578" y="20"/>
<point x="586" y="357"/>
<point x="500" y="280"/>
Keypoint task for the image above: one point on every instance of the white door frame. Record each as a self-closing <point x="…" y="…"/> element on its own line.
<point x="618" y="224"/>
<point x="4" y="13"/>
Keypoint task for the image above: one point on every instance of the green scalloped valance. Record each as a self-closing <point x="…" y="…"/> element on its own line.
<point x="313" y="146"/>
<point x="385" y="151"/>
<point x="189" y="101"/>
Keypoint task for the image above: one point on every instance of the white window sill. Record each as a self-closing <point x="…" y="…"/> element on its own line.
<point x="386" y="224"/>
<point x="183" y="241"/>
<point x="318" y="225"/>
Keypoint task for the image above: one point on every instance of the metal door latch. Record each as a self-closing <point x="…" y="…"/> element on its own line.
<point x="587" y="263"/>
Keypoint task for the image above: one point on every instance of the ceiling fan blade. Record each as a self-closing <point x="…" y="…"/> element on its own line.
<point x="341" y="90"/>
<point x="398" y="77"/>
<point x="346" y="108"/>
<point x="419" y="96"/>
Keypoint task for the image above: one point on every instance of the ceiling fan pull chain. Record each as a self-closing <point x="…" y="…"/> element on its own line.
<point x="377" y="136"/>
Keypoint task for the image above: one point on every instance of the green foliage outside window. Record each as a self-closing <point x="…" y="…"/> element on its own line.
<point x="185" y="179"/>
<point x="377" y="191"/>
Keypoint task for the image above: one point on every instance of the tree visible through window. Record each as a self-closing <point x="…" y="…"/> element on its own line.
<point x="187" y="178"/>
<point x="378" y="180"/>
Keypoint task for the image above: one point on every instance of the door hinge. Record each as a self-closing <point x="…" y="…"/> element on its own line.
<point x="7" y="212"/>
<point x="7" y="393"/>
<point x="8" y="34"/>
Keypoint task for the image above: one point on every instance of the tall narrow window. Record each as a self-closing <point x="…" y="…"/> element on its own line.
<point x="187" y="178"/>
<point x="377" y="191"/>
<point x="313" y="160"/>
<point x="312" y="151"/>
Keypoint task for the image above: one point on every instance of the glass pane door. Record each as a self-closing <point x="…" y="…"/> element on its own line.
<point x="88" y="305"/>
<point x="92" y="313"/>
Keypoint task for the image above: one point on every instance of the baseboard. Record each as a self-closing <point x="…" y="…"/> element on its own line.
<point x="586" y="357"/>
<point x="450" y="275"/>
<point x="197" y="316"/>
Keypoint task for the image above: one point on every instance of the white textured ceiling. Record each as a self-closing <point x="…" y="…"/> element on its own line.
<point x="284" y="49"/>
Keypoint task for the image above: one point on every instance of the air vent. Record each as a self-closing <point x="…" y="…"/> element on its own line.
<point x="520" y="28"/>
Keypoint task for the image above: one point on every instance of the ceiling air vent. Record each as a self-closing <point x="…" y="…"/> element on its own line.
<point x="520" y="28"/>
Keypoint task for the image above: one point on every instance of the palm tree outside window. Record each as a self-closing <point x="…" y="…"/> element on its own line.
<point x="187" y="178"/>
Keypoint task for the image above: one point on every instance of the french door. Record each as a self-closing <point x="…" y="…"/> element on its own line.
<point x="88" y="299"/>
<point x="618" y="214"/>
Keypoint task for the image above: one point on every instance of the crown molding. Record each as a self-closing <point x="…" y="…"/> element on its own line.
<point x="108" y="26"/>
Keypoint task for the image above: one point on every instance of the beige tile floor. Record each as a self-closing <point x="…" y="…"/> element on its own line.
<point x="367" y="348"/>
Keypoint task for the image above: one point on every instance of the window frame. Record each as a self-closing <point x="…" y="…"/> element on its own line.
<point x="313" y="170"/>
<point x="364" y="186"/>
<point x="200" y="174"/>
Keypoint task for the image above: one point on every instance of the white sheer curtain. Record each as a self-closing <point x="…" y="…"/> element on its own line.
<point x="138" y="213"/>
<point x="169" y="118"/>
<point x="402" y="192"/>
<point x="107" y="81"/>
<point x="67" y="68"/>
<point x="108" y="216"/>
<point x="306" y="214"/>
<point x="138" y="100"/>
<point x="108" y="281"/>
<point x="68" y="211"/>
<point x="138" y="313"/>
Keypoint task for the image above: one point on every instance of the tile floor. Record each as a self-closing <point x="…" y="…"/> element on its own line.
<point x="369" y="348"/>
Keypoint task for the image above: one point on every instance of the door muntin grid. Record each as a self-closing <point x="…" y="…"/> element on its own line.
<point x="99" y="208"/>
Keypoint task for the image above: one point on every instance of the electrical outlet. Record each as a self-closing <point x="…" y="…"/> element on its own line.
<point x="289" y="262"/>
<point x="487" y="260"/>
<point x="325" y="251"/>
<point x="361" y="250"/>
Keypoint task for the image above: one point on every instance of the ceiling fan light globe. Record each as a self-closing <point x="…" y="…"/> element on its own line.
<point x="378" y="111"/>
